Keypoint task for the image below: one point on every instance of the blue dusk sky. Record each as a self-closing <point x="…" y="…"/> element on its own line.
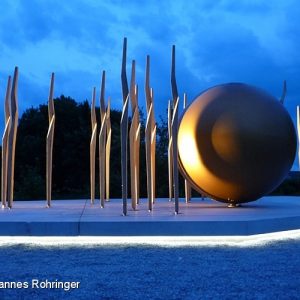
<point x="255" y="42"/>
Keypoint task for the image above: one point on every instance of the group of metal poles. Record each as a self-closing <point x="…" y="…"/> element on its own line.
<point x="104" y="145"/>
<point x="10" y="134"/>
<point x="150" y="137"/>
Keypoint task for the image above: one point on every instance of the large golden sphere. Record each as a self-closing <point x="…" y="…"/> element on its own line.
<point x="236" y="143"/>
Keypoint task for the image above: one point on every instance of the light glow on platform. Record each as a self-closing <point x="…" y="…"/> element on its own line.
<point x="159" y="241"/>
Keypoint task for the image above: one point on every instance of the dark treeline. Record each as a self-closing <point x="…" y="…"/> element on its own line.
<point x="71" y="155"/>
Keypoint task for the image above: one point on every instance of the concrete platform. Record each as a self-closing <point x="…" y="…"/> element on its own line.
<point x="198" y="218"/>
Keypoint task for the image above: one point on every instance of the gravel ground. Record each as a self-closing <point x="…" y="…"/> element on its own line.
<point x="130" y="272"/>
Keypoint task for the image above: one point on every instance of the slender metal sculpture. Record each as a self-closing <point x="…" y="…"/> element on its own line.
<point x="124" y="134"/>
<point x="150" y="138"/>
<point x="153" y="149"/>
<point x="187" y="186"/>
<point x="102" y="160"/>
<point x="298" y="129"/>
<point x="170" y="152"/>
<point x="102" y="96"/>
<point x="107" y="149"/>
<point x="124" y="128"/>
<point x="283" y="92"/>
<point x="175" y="152"/>
<point x="134" y="140"/>
<point x="5" y="144"/>
<point x="12" y="136"/>
<point x="49" y="142"/>
<point x="93" y="145"/>
<point x="102" y="143"/>
<point x="174" y="130"/>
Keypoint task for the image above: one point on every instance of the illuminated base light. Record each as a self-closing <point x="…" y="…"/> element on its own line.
<point x="160" y="241"/>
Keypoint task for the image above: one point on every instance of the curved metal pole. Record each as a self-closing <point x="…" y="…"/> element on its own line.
<point x="102" y="143"/>
<point x="93" y="145"/>
<point x="12" y="136"/>
<point x="107" y="149"/>
<point x="175" y="155"/>
<point x="174" y="131"/>
<point x="170" y="155"/>
<point x="133" y="158"/>
<point x="124" y="128"/>
<point x="282" y="98"/>
<point x="134" y="140"/>
<point x="148" y="157"/>
<point x="49" y="142"/>
<point x="102" y="96"/>
<point x="173" y="77"/>
<point x="150" y="138"/>
<point x="153" y="150"/>
<point x="124" y="133"/>
<point x="102" y="160"/>
<point x="5" y="144"/>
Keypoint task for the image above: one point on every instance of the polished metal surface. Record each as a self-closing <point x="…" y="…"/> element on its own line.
<point x="282" y="98"/>
<point x="174" y="129"/>
<point x="150" y="138"/>
<point x="102" y="143"/>
<point x="5" y="144"/>
<point x="124" y="127"/>
<point x="12" y="136"/>
<point x="107" y="151"/>
<point x="102" y="160"/>
<point x="49" y="142"/>
<point x="236" y="143"/>
<point x="170" y="152"/>
<point x="134" y="141"/>
<point x="93" y="146"/>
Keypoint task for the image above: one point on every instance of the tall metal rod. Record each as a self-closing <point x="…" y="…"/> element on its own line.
<point x="49" y="142"/>
<point x="148" y="133"/>
<point x="134" y="140"/>
<point x="124" y="128"/>
<point x="93" y="145"/>
<point x="107" y="150"/>
<point x="102" y="160"/>
<point x="170" y="152"/>
<point x="5" y="145"/>
<point x="175" y="155"/>
<point x="150" y="138"/>
<point x="137" y="149"/>
<point x="137" y="169"/>
<point x="12" y="136"/>
<point x="102" y="143"/>
<point x="148" y="157"/>
<point x="102" y="96"/>
<point x="153" y="149"/>
<point x="124" y="133"/>
<point x="173" y="77"/>
<point x="298" y="129"/>
<point x="174" y="131"/>
<point x="187" y="186"/>
<point x="283" y="92"/>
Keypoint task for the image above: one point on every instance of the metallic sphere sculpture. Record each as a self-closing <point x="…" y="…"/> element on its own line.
<point x="236" y="143"/>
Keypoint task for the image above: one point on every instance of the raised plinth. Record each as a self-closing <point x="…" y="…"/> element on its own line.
<point x="200" y="217"/>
